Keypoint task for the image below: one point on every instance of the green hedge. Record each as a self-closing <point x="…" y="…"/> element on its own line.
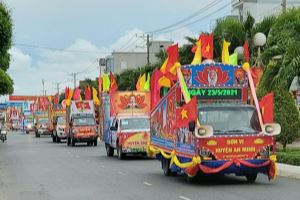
<point x="290" y="156"/>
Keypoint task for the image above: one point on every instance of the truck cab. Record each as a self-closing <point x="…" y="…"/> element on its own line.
<point x="59" y="127"/>
<point x="82" y="128"/>
<point x="41" y="127"/>
<point x="128" y="135"/>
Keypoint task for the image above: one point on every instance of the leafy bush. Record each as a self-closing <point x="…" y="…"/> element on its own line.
<point x="289" y="156"/>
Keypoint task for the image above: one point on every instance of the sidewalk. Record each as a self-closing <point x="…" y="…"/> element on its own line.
<point x="289" y="171"/>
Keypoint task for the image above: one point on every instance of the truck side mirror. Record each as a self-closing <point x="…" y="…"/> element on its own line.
<point x="192" y="126"/>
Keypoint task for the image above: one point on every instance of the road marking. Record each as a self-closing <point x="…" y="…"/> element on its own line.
<point x="146" y="183"/>
<point x="184" y="198"/>
<point x="122" y="173"/>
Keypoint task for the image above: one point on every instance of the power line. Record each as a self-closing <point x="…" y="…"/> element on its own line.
<point x="58" y="49"/>
<point x="200" y="11"/>
<point x="196" y="21"/>
<point x="129" y="40"/>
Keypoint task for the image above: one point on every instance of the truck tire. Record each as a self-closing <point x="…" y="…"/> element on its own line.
<point x="251" y="177"/>
<point x="53" y="138"/>
<point x="120" y="154"/>
<point x="95" y="142"/>
<point x="165" y="165"/>
<point x="57" y="139"/>
<point x="73" y="142"/>
<point x="68" y="141"/>
<point x="109" y="150"/>
<point x="38" y="135"/>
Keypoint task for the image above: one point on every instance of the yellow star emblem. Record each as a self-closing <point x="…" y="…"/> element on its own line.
<point x="207" y="48"/>
<point x="184" y="114"/>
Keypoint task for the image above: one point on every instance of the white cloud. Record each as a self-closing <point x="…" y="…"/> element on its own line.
<point x="81" y="56"/>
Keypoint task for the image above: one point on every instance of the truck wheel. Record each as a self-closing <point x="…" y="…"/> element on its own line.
<point x="27" y="132"/>
<point x="165" y="164"/>
<point x="73" y="142"/>
<point x="38" y="135"/>
<point x="251" y="177"/>
<point x="68" y="141"/>
<point x="109" y="150"/>
<point x="119" y="152"/>
<point x="95" y="142"/>
<point x="53" y="138"/>
<point x="57" y="139"/>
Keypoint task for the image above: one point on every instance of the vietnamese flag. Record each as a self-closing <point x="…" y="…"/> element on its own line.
<point x="266" y="105"/>
<point x="207" y="45"/>
<point x="87" y="93"/>
<point x="56" y="99"/>
<point x="113" y="83"/>
<point x="186" y="113"/>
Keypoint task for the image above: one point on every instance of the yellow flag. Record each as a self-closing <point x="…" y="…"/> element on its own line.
<point x="142" y="82"/>
<point x="225" y="52"/>
<point x="147" y="83"/>
<point x="198" y="56"/>
<point x="164" y="66"/>
<point x="164" y="82"/>
<point x="95" y="97"/>
<point x="106" y="83"/>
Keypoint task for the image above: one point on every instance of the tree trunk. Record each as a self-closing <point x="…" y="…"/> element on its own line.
<point x="284" y="146"/>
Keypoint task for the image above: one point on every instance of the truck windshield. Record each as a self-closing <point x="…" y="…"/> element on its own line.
<point x="230" y="120"/>
<point x="135" y="124"/>
<point x="61" y="120"/>
<point x="43" y="120"/>
<point x="84" y="121"/>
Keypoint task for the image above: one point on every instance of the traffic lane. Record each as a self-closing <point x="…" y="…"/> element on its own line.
<point x="39" y="169"/>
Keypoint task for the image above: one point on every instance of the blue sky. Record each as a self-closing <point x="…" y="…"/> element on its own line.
<point x="95" y="26"/>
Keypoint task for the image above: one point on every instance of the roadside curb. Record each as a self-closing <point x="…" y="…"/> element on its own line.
<point x="289" y="171"/>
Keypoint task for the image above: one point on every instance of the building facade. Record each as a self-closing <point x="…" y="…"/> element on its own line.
<point x="260" y="8"/>
<point x="117" y="62"/>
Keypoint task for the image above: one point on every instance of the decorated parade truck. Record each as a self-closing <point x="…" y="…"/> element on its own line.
<point x="205" y="125"/>
<point x="57" y="124"/>
<point x="125" y="122"/>
<point x="80" y="123"/>
<point x="41" y="123"/>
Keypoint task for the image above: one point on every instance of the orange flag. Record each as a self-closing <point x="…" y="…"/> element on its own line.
<point x="113" y="83"/>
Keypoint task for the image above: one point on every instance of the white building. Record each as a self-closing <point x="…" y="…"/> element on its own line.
<point x="120" y="61"/>
<point x="260" y="8"/>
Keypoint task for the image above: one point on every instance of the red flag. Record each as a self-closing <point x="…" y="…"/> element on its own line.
<point x="113" y="83"/>
<point x="186" y="113"/>
<point x="66" y="92"/>
<point x="87" y="93"/>
<point x="172" y="52"/>
<point x="56" y="99"/>
<point x="256" y="73"/>
<point x="246" y="52"/>
<point x="100" y="83"/>
<point x="155" y="87"/>
<point x="207" y="45"/>
<point x="76" y="95"/>
<point x="266" y="105"/>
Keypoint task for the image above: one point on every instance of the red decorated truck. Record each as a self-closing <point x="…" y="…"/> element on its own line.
<point x="216" y="131"/>
<point x="125" y="122"/>
<point x="81" y="123"/>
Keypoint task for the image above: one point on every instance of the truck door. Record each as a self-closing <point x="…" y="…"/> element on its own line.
<point x="114" y="133"/>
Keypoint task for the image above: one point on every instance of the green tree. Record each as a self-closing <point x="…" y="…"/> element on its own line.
<point x="6" y="83"/>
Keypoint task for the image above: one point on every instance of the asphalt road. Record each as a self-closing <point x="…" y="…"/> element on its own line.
<point x="37" y="169"/>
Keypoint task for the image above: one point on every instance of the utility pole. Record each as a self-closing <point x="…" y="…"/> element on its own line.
<point x="283" y="5"/>
<point x="74" y="74"/>
<point x="148" y="47"/>
<point x="57" y="86"/>
<point x="43" y="82"/>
